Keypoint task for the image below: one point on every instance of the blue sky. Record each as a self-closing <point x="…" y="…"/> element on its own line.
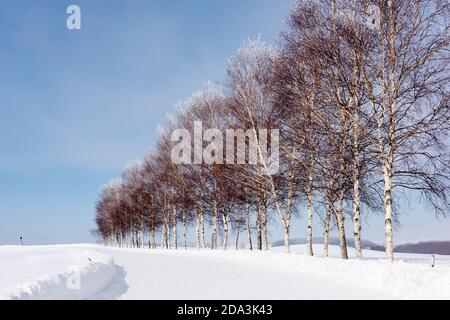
<point x="76" y="106"/>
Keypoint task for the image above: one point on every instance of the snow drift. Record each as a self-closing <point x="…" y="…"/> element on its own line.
<point x="83" y="273"/>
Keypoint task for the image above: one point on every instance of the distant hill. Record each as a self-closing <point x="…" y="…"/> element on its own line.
<point x="426" y="247"/>
<point x="369" y="245"/>
<point x="430" y="247"/>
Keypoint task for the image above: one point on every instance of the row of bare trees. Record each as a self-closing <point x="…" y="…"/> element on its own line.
<point x="355" y="96"/>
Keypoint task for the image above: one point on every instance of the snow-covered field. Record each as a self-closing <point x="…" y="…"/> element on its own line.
<point x="53" y="272"/>
<point x="96" y="272"/>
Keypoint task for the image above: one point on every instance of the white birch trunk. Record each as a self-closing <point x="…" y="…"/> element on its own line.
<point x="153" y="238"/>
<point x="214" y="226"/>
<point x="326" y="229"/>
<point x="287" y="218"/>
<point x="356" y="184"/>
<point x="197" y="230"/>
<point x="249" y="231"/>
<point x="357" y="217"/>
<point x="388" y="227"/>
<point x="356" y="137"/>
<point x="175" y="222"/>
<point x="197" y="225"/>
<point x="387" y="159"/>
<point x="340" y="218"/>
<point x="388" y="165"/>
<point x="163" y="236"/>
<point x="202" y="223"/>
<point x="265" y="232"/>
<point x="341" y="225"/>
<point x="225" y="228"/>
<point x="258" y="227"/>
<point x="184" y="230"/>
<point x="166" y="225"/>
<point x="309" y="200"/>
<point x="286" y="225"/>
<point x="168" y="229"/>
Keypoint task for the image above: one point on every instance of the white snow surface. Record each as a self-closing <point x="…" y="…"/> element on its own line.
<point x="119" y="273"/>
<point x="53" y="272"/>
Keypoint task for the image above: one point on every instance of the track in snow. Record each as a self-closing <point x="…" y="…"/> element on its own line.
<point x="206" y="274"/>
<point x="181" y="275"/>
